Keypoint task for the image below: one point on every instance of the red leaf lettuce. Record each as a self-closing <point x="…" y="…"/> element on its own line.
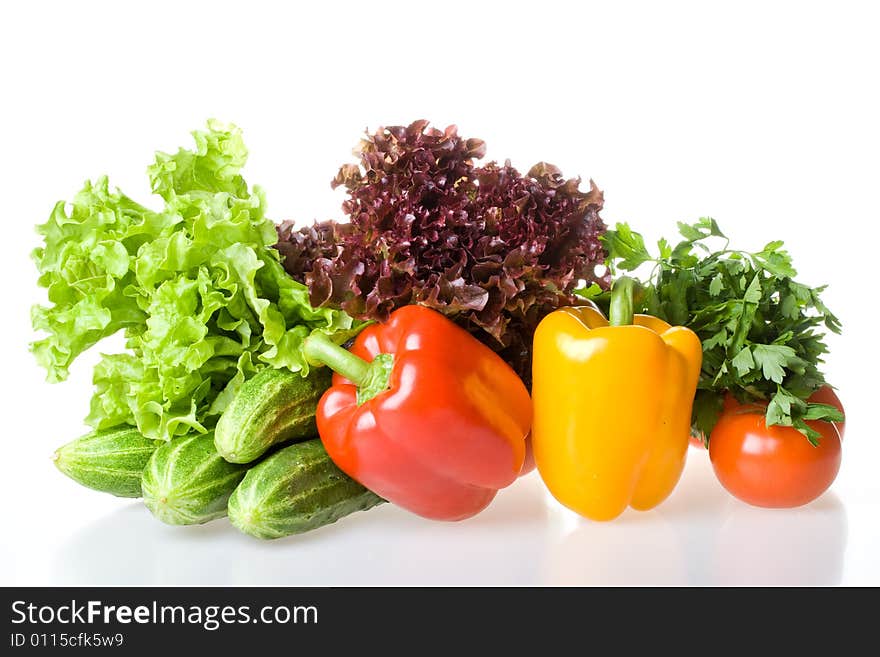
<point x="490" y="248"/>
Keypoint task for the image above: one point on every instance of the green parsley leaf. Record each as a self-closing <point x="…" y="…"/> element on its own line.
<point x="625" y="247"/>
<point x="591" y="292"/>
<point x="761" y="330"/>
<point x="823" y="412"/>
<point x="665" y="249"/>
<point x="743" y="361"/>
<point x="772" y="359"/>
<point x="691" y="233"/>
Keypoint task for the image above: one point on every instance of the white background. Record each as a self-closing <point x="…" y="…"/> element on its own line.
<point x="763" y="115"/>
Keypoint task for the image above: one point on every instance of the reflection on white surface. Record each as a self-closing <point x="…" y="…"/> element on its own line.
<point x="383" y="546"/>
<point x="753" y="548"/>
<point x="643" y="550"/>
<point x="699" y="536"/>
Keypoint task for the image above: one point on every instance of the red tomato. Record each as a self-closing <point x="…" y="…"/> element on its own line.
<point x="772" y="466"/>
<point x="826" y="395"/>
<point x="696" y="437"/>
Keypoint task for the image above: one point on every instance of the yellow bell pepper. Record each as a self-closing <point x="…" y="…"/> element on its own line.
<point x="612" y="405"/>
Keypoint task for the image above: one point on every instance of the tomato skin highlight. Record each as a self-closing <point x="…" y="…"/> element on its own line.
<point x="826" y="395"/>
<point x="773" y="466"/>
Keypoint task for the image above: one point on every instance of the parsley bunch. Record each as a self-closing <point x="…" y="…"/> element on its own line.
<point x="761" y="330"/>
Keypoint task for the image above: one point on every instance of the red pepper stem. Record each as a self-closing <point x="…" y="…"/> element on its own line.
<point x="370" y="378"/>
<point x="620" y="312"/>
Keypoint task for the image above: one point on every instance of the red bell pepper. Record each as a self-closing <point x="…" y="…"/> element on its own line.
<point x="423" y="414"/>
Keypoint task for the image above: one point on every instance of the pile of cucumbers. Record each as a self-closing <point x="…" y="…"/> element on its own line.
<point x="262" y="465"/>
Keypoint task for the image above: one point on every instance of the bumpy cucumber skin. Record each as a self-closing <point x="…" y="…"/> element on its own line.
<point x="110" y="461"/>
<point x="275" y="406"/>
<point x="294" y="490"/>
<point x="186" y="481"/>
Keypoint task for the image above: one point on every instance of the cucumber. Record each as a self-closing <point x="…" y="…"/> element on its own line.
<point x="186" y="481"/>
<point x="296" y="489"/>
<point x="275" y="406"/>
<point x="110" y="461"/>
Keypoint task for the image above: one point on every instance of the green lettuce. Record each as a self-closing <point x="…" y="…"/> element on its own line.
<point x="201" y="296"/>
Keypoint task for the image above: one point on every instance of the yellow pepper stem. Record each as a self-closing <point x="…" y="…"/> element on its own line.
<point x="620" y="312"/>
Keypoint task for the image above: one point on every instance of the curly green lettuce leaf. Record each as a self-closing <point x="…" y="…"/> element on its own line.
<point x="86" y="264"/>
<point x="197" y="288"/>
<point x="215" y="165"/>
